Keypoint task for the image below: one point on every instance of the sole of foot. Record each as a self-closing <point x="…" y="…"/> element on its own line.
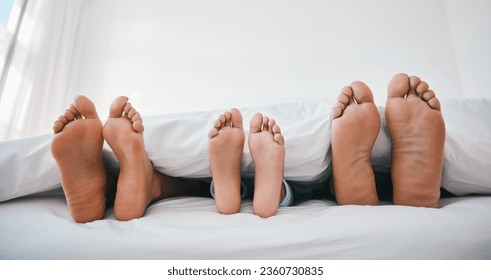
<point x="355" y="126"/>
<point x="225" y="146"/>
<point x="266" y="144"/>
<point x="138" y="183"/>
<point x="77" y="150"/>
<point x="417" y="132"/>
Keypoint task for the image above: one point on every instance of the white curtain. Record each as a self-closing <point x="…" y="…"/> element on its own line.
<point x="36" y="76"/>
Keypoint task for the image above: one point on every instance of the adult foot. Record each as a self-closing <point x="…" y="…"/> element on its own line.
<point x="77" y="150"/>
<point x="268" y="154"/>
<point x="138" y="183"/>
<point x="225" y="151"/>
<point x="355" y="126"/>
<point x="417" y="132"/>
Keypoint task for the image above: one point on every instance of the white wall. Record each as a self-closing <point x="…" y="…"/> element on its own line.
<point x="469" y="23"/>
<point x="172" y="55"/>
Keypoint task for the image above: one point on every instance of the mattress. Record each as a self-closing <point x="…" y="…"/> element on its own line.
<point x="190" y="228"/>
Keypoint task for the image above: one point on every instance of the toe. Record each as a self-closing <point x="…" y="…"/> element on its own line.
<point x="127" y="109"/>
<point x="279" y="139"/>
<point x="69" y="115"/>
<point x="213" y="132"/>
<point x="137" y="122"/>
<point x="76" y="114"/>
<point x="58" y="126"/>
<point x="228" y="118"/>
<point x="256" y="123"/>
<point x="275" y="129"/>
<point x="236" y="118"/>
<point x="346" y="95"/>
<point x="413" y="84"/>
<point x="135" y="116"/>
<point x="336" y="112"/>
<point x="222" y="119"/>
<point x="434" y="103"/>
<point x="131" y="113"/>
<point x="217" y="124"/>
<point x="265" y="123"/>
<point x="62" y="119"/>
<point x="85" y="107"/>
<point x="138" y="126"/>
<point x="72" y="113"/>
<point x="340" y="105"/>
<point x="117" y="107"/>
<point x="271" y="124"/>
<point x="344" y="98"/>
<point x="422" y="88"/>
<point x="398" y="86"/>
<point x="361" y="92"/>
<point x="429" y="94"/>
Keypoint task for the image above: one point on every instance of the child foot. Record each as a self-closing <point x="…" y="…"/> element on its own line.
<point x="355" y="126"/>
<point x="268" y="153"/>
<point x="77" y="150"/>
<point x="225" y="150"/>
<point x="138" y="183"/>
<point x="417" y="132"/>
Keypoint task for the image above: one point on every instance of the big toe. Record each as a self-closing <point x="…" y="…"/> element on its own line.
<point x="398" y="86"/>
<point x="85" y="107"/>
<point x="256" y="123"/>
<point x="117" y="107"/>
<point x="361" y="92"/>
<point x="236" y="118"/>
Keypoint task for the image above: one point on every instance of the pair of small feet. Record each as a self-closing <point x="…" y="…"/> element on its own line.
<point x="266" y="144"/>
<point x="77" y="149"/>
<point x="417" y="132"/>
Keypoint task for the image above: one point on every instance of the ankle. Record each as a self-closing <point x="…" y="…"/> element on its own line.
<point x="157" y="186"/>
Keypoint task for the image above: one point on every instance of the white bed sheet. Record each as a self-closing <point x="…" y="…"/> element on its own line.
<point x="190" y="228"/>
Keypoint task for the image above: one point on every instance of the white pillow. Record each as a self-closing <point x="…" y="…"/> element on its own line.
<point x="177" y="146"/>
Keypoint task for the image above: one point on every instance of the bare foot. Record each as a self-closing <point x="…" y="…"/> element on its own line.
<point x="225" y="150"/>
<point x="77" y="149"/>
<point x="355" y="126"/>
<point x="138" y="183"/>
<point x="417" y="132"/>
<point x="268" y="153"/>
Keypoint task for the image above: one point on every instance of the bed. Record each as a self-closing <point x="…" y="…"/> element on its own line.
<point x="35" y="222"/>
